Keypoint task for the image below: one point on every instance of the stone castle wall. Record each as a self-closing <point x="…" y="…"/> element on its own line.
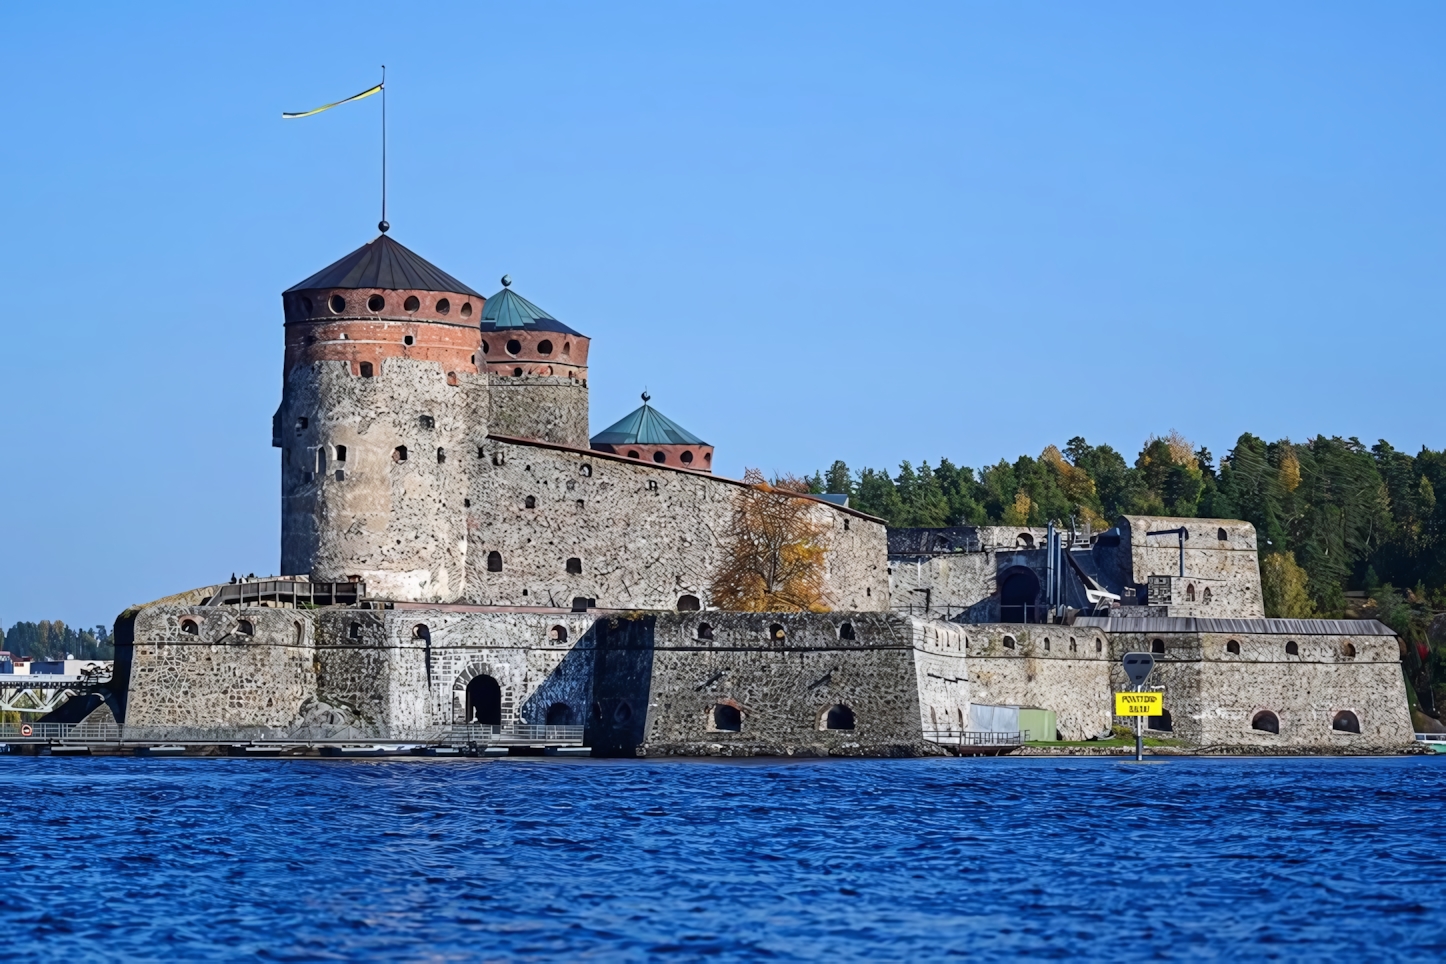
<point x="1229" y="567"/>
<point x="547" y="408"/>
<point x="1056" y="667"/>
<point x="1212" y="694"/>
<point x="397" y="524"/>
<point x="643" y="535"/>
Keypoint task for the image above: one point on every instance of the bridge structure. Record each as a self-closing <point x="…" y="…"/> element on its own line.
<point x="40" y="693"/>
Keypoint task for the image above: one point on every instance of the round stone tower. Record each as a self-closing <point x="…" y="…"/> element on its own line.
<point x="538" y="369"/>
<point x="381" y="401"/>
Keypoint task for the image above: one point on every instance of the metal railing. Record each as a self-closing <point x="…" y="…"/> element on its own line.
<point x="511" y="734"/>
<point x="973" y="738"/>
<point x="1431" y="737"/>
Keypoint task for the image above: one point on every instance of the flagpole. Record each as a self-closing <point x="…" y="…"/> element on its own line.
<point x="384" y="225"/>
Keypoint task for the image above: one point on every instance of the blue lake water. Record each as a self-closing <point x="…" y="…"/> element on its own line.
<point x="184" y="860"/>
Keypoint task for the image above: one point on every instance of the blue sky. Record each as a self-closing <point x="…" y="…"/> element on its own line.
<point x="811" y="231"/>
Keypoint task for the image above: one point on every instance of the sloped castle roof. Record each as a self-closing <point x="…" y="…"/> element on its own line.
<point x="509" y="310"/>
<point x="386" y="264"/>
<point x="646" y="426"/>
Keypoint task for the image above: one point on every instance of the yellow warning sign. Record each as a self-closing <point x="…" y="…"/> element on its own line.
<point x="1139" y="704"/>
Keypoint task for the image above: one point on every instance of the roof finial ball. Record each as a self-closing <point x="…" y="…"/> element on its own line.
<point x="383" y="227"/>
<point x="507" y="281"/>
<point x="647" y="398"/>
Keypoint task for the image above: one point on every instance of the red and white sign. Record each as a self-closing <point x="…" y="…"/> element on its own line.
<point x="25" y="729"/>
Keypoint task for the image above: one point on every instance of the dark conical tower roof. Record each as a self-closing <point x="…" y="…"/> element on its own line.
<point x="385" y="264"/>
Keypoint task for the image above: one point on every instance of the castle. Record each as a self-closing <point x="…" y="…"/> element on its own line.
<point x="458" y="549"/>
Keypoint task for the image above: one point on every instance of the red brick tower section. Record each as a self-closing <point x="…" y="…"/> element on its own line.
<point x="428" y="316"/>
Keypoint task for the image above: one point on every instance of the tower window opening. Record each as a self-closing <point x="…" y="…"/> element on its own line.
<point x="341" y="453"/>
<point x="776" y="633"/>
<point x="1233" y="647"/>
<point x="633" y="454"/>
<point x="1205" y="597"/>
<point x="420" y="631"/>
<point x="485" y="348"/>
<point x="1157" y="645"/>
<point x="1266" y="722"/>
<point x="354" y="631"/>
<point x="466" y="309"/>
<point x="686" y="457"/>
<point x="1008" y="642"/>
<point x="426" y="421"/>
<point x="411" y="304"/>
<point x="245" y="627"/>
<point x="1190" y="592"/>
<point x="1072" y="646"/>
<point x="846" y="631"/>
<point x="1222" y="535"/>
<point x="1099" y="646"/>
<point x="302" y="423"/>
<point x="399" y="454"/>
<point x="513" y="346"/>
<point x="376" y="303"/>
<point x="688" y="603"/>
<point x="366" y="369"/>
<point x="1346" y="722"/>
<point x="337" y="304"/>
<point x="584" y="470"/>
<point x="705" y="631"/>
<point x="838" y="717"/>
<point x="408" y="340"/>
<point x="846" y="525"/>
<point x="567" y="348"/>
<point x="707" y="456"/>
<point x="558" y="634"/>
<point x="544" y="347"/>
<point x="660" y="457"/>
<point x="652" y="485"/>
<point x="1046" y="644"/>
<point x="441" y="455"/>
<point x="574" y="566"/>
<point x="530" y="502"/>
<point x="481" y="453"/>
<point x="1291" y="649"/>
<point x="443" y="306"/>
<point x="306" y="304"/>
<point x="516" y="373"/>
<point x="727" y="718"/>
<point x="494" y="561"/>
<point x="1349" y="651"/>
<point x="341" y="475"/>
<point x="452" y="379"/>
<point x="189" y="627"/>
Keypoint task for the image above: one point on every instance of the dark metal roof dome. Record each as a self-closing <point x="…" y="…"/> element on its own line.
<point x="646" y="426"/>
<point x="385" y="264"/>
<point x="509" y="310"/>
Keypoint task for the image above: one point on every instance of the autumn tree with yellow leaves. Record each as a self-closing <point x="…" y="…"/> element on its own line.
<point x="773" y="550"/>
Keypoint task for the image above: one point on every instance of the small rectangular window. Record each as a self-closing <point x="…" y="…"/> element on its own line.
<point x="301" y="423"/>
<point x="341" y="453"/>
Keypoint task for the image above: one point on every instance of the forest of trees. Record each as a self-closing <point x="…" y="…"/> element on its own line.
<point x="52" y="640"/>
<point x="1333" y="516"/>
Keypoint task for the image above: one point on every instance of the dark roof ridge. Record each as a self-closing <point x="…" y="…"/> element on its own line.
<point x="387" y="264"/>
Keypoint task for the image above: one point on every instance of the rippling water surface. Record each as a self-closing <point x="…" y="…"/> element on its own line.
<point x="1340" y="859"/>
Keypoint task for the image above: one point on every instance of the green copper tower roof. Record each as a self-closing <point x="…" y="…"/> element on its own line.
<point x="646" y="426"/>
<point x="509" y="310"/>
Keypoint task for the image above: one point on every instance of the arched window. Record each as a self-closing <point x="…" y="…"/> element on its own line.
<point x="1024" y="541"/>
<point x="558" y="634"/>
<point x="297" y="632"/>
<point x="1291" y="649"/>
<point x="775" y="632"/>
<point x="530" y="502"/>
<point x="494" y="561"/>
<point x="728" y="718"/>
<point x="1008" y="642"/>
<point x="1233" y="647"/>
<point x="688" y="603"/>
<point x="574" y="566"/>
<point x="705" y="631"/>
<point x="441" y="455"/>
<point x="1205" y="597"/>
<point x="1349" y="651"/>
<point x="420" y="631"/>
<point x="1222" y="535"/>
<point x="1072" y="647"/>
<point x="484" y="701"/>
<point x="846" y="631"/>
<point x="189" y="627"/>
<point x="1157" y="645"/>
<point x="399" y="454"/>
<point x="633" y="454"/>
<point x="1099" y="646"/>
<point x="1190" y="592"/>
<point x="1346" y="722"/>
<point x="1266" y="722"/>
<point x="245" y="628"/>
<point x="837" y="717"/>
<point x="1046" y="644"/>
<point x="1161" y="722"/>
<point x="559" y="714"/>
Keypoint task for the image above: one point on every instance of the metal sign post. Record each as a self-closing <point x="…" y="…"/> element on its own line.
<point x="1137" y="668"/>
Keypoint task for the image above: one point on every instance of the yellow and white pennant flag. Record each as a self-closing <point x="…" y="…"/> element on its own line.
<point x="307" y="113"/>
